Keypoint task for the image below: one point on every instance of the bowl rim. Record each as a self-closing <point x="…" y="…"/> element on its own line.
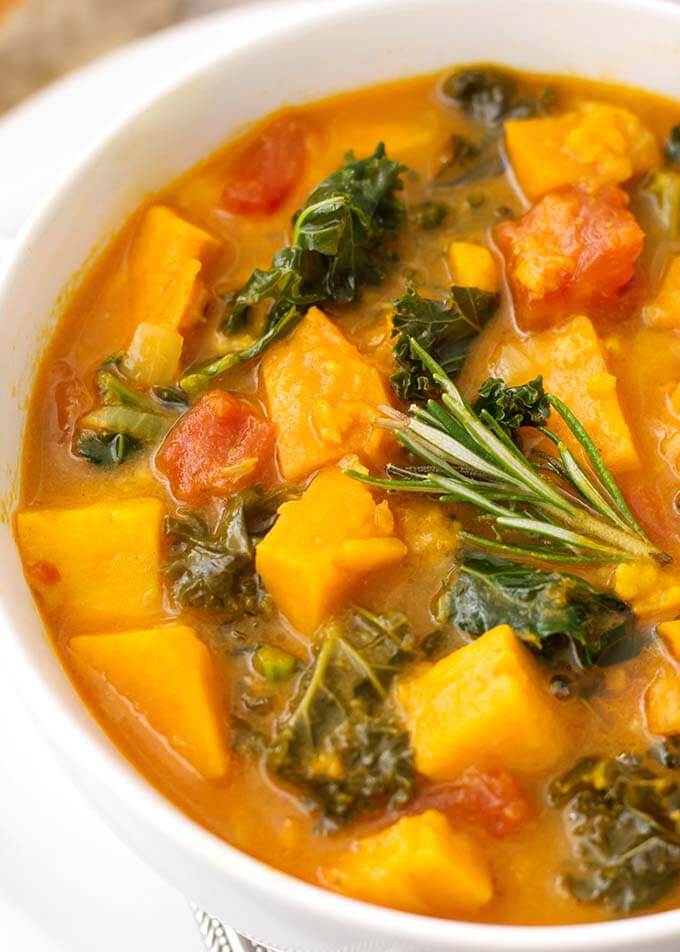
<point x="98" y="755"/>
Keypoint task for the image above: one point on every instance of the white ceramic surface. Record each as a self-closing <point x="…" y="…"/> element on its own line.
<point x="337" y="46"/>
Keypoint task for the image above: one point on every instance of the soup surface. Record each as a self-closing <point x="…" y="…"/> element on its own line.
<point x="350" y="495"/>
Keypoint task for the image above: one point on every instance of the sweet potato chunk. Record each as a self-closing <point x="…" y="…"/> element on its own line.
<point x="167" y="259"/>
<point x="573" y="251"/>
<point x="419" y="864"/>
<point x="473" y="266"/>
<point x="486" y="705"/>
<point x="572" y="362"/>
<point x="104" y="561"/>
<point x="662" y="698"/>
<point x="322" y="396"/>
<point x="648" y="589"/>
<point x="219" y="446"/>
<point x="663" y="311"/>
<point x="322" y="545"/>
<point x="669" y="631"/>
<point x="596" y="144"/>
<point x="166" y="673"/>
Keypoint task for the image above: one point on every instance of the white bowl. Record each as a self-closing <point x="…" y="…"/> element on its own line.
<point x="341" y="45"/>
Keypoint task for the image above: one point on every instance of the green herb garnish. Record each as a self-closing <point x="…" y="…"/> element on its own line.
<point x="573" y="516"/>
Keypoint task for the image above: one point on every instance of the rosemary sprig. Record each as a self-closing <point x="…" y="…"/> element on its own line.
<point x="578" y="516"/>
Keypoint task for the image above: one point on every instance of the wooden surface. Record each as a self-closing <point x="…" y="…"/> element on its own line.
<point x="42" y="39"/>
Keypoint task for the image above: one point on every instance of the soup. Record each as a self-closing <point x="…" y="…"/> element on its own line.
<point x="350" y="495"/>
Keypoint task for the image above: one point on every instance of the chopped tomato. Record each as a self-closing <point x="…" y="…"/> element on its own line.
<point x="574" y="250"/>
<point x="219" y="446"/>
<point x="43" y="573"/>
<point x="492" y="799"/>
<point x="268" y="171"/>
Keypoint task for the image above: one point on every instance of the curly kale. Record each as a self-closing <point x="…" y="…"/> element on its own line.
<point x="490" y="96"/>
<point x="549" y="610"/>
<point x="342" y="740"/>
<point x="341" y="242"/>
<point x="623" y="819"/>
<point x="513" y="407"/>
<point x="445" y="329"/>
<point x="214" y="569"/>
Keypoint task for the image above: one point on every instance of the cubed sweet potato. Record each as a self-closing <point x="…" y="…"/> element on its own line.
<point x="473" y="266"/>
<point x="574" y="250"/>
<point x="571" y="359"/>
<point x="663" y="311"/>
<point x="167" y="675"/>
<point x="595" y="144"/>
<point x="95" y="567"/>
<point x="662" y="703"/>
<point x="669" y="632"/>
<point x="419" y="864"/>
<point x="648" y="589"/>
<point x="662" y="697"/>
<point x="167" y="260"/>
<point x="487" y="704"/>
<point x="322" y="545"/>
<point x="323" y="397"/>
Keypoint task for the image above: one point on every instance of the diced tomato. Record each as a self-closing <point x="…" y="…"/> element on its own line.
<point x="269" y="170"/>
<point x="492" y="799"/>
<point x="219" y="446"/>
<point x="574" y="250"/>
<point x="43" y="573"/>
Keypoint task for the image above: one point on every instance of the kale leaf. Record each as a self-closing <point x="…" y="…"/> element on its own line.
<point x="548" y="610"/>
<point x="622" y="818"/>
<point x="445" y="329"/>
<point x="214" y="569"/>
<point x="513" y="407"/>
<point x="672" y="149"/>
<point x="342" y="740"/>
<point x="340" y="243"/>
<point x="105" y="449"/>
<point x="490" y="96"/>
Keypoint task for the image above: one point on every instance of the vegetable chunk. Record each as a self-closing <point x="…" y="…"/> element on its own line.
<point x="473" y="266"/>
<point x="419" y="864"/>
<point x="323" y="397"/>
<point x="596" y="144"/>
<point x="574" y="250"/>
<point x="322" y="545"/>
<point x="269" y="170"/>
<point x="571" y="359"/>
<point x="484" y="705"/>
<point x="167" y="259"/>
<point x="219" y="446"/>
<point x="166" y="673"/>
<point x="103" y="561"/>
<point x="153" y="356"/>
